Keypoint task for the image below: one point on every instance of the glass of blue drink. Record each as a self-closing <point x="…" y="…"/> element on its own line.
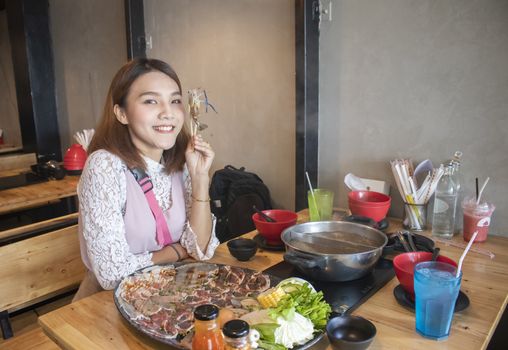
<point x="436" y="291"/>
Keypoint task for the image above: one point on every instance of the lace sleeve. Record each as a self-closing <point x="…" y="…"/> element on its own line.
<point x="102" y="195"/>
<point x="188" y="239"/>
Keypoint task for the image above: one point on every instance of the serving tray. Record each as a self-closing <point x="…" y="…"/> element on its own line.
<point x="159" y="300"/>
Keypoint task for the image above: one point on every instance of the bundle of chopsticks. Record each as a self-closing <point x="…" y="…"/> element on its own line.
<point x="413" y="194"/>
<point x="84" y="137"/>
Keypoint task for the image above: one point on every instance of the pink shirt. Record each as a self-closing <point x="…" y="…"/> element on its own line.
<point x="139" y="220"/>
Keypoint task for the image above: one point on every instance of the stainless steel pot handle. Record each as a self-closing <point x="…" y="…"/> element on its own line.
<point x="306" y="261"/>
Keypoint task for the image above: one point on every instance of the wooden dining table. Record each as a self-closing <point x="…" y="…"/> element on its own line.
<point x="95" y="322"/>
<point x="37" y="194"/>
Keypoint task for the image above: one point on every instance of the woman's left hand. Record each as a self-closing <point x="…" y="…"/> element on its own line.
<point x="199" y="157"/>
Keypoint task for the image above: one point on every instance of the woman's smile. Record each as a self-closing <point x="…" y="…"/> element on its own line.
<point x="165" y="129"/>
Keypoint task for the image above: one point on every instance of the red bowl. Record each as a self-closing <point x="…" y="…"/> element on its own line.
<point x="271" y="231"/>
<point x="375" y="213"/>
<point x="404" y="265"/>
<point x="374" y="205"/>
<point x="370" y="198"/>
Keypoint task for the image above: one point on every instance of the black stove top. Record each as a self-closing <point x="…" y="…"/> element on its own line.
<point x="343" y="297"/>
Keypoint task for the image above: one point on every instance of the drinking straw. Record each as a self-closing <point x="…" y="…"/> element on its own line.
<point x="312" y="194"/>
<point x="476" y="181"/>
<point x="465" y="252"/>
<point x="481" y="191"/>
<point x="461" y="245"/>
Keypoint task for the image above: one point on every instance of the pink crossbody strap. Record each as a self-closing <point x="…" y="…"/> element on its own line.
<point x="162" y="230"/>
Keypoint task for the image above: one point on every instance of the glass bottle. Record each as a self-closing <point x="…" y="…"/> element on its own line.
<point x="236" y="335"/>
<point x="207" y="334"/>
<point x="445" y="205"/>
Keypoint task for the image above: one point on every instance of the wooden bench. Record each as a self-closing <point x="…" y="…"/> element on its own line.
<point x="16" y="161"/>
<point x="18" y="233"/>
<point x="37" y="267"/>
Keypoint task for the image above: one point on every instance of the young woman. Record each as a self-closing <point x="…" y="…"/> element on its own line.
<point x="124" y="225"/>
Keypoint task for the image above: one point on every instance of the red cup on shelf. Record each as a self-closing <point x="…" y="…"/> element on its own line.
<point x="74" y="159"/>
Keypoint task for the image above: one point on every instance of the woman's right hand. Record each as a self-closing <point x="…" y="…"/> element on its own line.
<point x="199" y="156"/>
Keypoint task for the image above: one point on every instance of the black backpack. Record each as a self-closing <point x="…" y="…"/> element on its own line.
<point x="233" y="193"/>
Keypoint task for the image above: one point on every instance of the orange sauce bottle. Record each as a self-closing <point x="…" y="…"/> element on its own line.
<point x="207" y="334"/>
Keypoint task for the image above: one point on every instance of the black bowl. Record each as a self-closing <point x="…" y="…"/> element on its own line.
<point x="242" y="248"/>
<point x="350" y="332"/>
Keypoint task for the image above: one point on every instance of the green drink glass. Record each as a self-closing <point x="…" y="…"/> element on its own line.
<point x="320" y="204"/>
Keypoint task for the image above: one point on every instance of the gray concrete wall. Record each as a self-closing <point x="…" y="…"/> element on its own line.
<point x="9" y="120"/>
<point x="242" y="53"/>
<point x="415" y="79"/>
<point x="89" y="46"/>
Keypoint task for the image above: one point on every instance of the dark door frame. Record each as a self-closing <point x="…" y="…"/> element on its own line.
<point x="32" y="57"/>
<point x="307" y="98"/>
<point x="135" y="28"/>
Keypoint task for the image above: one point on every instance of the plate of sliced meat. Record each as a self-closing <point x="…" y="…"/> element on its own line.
<point x="159" y="300"/>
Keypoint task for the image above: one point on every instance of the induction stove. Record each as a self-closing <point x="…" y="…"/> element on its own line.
<point x="343" y="297"/>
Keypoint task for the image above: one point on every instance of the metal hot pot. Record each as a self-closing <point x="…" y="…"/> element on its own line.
<point x="333" y="250"/>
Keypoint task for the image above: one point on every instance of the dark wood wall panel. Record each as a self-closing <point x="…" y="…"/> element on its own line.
<point x="307" y="98"/>
<point x="135" y="28"/>
<point x="32" y="57"/>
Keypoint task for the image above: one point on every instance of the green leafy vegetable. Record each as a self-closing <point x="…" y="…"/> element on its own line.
<point x="267" y="336"/>
<point x="262" y="344"/>
<point x="306" y="302"/>
<point x="266" y="330"/>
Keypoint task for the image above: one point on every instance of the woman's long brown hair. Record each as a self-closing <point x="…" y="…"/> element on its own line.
<point x="113" y="136"/>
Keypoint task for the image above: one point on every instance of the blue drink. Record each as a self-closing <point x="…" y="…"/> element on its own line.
<point x="436" y="291"/>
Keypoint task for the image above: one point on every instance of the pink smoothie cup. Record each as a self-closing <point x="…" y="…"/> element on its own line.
<point x="476" y="218"/>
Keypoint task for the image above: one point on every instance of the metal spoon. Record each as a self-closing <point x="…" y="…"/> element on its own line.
<point x="263" y="215"/>
<point x="435" y="254"/>
<point x="403" y="241"/>
<point x="411" y="241"/>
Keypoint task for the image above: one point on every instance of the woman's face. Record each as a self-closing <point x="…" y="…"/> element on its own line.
<point x="153" y="113"/>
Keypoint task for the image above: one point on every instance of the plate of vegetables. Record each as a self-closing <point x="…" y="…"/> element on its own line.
<point x="293" y="315"/>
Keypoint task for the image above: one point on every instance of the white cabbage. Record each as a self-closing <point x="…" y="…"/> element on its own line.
<point x="297" y="331"/>
<point x="292" y="332"/>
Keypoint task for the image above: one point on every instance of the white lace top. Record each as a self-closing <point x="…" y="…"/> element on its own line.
<point x="102" y="199"/>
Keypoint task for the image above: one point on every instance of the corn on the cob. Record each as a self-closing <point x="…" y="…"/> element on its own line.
<point x="271" y="297"/>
